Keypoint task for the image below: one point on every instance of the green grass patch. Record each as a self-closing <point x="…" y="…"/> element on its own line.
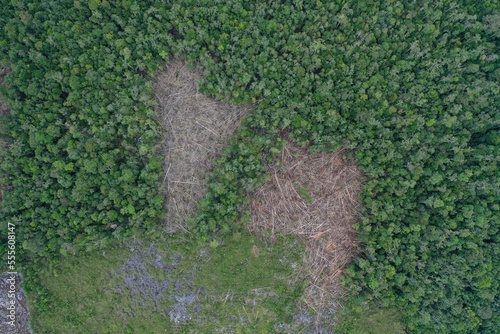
<point x="252" y="281"/>
<point x="172" y="285"/>
<point x="304" y="194"/>
<point x="359" y="316"/>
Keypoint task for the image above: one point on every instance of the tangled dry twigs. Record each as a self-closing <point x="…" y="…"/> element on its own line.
<point x="195" y="129"/>
<point x="314" y="196"/>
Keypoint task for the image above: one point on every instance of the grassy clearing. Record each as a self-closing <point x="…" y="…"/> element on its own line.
<point x="235" y="285"/>
<point x="170" y="285"/>
<point x="255" y="284"/>
<point x="359" y="316"/>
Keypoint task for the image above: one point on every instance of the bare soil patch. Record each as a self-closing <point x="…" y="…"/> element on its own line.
<point x="196" y="128"/>
<point x="316" y="197"/>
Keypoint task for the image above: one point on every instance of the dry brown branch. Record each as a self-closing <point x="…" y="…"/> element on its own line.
<point x="196" y="128"/>
<point x="324" y="220"/>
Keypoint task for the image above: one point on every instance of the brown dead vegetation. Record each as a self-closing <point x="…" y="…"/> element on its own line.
<point x="196" y="129"/>
<point x="316" y="197"/>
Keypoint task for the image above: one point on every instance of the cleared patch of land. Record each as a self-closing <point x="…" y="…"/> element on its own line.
<point x="196" y="128"/>
<point x="316" y="197"/>
<point x="172" y="285"/>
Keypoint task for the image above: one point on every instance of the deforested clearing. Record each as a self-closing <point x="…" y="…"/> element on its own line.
<point x="316" y="197"/>
<point x="196" y="128"/>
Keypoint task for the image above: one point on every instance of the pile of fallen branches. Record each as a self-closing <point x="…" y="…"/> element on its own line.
<point x="316" y="197"/>
<point x="196" y="128"/>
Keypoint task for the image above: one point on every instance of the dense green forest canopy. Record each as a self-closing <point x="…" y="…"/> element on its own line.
<point x="413" y="86"/>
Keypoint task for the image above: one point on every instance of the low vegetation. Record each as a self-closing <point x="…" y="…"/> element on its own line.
<point x="359" y="316"/>
<point x="171" y="285"/>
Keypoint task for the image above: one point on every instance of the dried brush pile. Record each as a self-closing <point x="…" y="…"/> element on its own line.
<point x="196" y="128"/>
<point x="314" y="196"/>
